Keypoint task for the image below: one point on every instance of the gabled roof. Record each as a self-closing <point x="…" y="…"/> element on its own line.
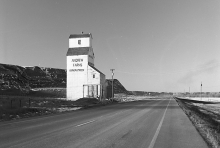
<point x="80" y="35"/>
<point x="78" y="51"/>
<point x="96" y="69"/>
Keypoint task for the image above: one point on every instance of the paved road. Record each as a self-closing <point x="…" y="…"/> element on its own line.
<point x="141" y="124"/>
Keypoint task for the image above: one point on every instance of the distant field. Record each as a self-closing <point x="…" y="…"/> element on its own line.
<point x="48" y="92"/>
<point x="203" y="95"/>
<point x="124" y="97"/>
<point x="208" y="99"/>
<point x="37" y="92"/>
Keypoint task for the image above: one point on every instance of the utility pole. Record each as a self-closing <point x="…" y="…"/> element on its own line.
<point x="201" y="92"/>
<point x="189" y="91"/>
<point x="112" y="83"/>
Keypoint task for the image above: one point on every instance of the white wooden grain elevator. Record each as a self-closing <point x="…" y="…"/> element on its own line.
<point x="83" y="79"/>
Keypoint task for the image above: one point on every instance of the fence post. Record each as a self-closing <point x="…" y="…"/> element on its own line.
<point x="11" y="103"/>
<point x="29" y="102"/>
<point x="20" y="103"/>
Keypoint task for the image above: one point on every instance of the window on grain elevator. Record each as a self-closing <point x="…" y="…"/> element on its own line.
<point x="79" y="42"/>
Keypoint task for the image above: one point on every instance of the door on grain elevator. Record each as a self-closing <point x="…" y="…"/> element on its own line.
<point x="91" y="91"/>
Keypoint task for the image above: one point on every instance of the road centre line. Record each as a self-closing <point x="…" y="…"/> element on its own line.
<point x="97" y="119"/>
<point x="102" y="117"/>
<point x="85" y="123"/>
<point x="158" y="129"/>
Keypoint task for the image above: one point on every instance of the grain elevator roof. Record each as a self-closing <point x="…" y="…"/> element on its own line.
<point x="80" y="35"/>
<point x="78" y="51"/>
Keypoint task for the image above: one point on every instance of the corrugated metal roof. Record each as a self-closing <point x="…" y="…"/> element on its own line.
<point x="78" y="51"/>
<point x="80" y="35"/>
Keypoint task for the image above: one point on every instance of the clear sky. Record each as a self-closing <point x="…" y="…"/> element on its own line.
<point x="153" y="45"/>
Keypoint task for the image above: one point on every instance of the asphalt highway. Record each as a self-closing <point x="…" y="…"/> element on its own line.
<point x="158" y="123"/>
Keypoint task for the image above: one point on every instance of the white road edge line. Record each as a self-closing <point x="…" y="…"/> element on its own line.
<point x="85" y="123"/>
<point x="158" y="129"/>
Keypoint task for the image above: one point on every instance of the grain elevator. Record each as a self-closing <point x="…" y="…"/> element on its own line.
<point x="83" y="79"/>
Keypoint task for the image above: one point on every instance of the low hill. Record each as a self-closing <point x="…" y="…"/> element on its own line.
<point x="118" y="87"/>
<point x="14" y="79"/>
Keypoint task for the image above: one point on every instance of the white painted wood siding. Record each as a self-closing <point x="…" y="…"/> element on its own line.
<point x="74" y="42"/>
<point x="76" y="76"/>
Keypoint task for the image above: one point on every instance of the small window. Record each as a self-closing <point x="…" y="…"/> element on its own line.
<point x="79" y="42"/>
<point x="93" y="76"/>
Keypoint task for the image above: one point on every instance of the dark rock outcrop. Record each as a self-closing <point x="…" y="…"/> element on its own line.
<point x="15" y="78"/>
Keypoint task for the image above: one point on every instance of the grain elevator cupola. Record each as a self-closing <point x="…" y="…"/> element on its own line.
<point x="83" y="79"/>
<point x="81" y="44"/>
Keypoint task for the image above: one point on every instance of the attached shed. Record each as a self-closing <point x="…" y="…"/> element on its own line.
<point x="96" y="87"/>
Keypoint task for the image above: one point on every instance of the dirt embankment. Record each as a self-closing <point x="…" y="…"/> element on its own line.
<point x="206" y="119"/>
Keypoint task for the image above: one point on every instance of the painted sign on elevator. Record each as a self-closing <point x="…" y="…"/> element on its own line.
<point x="77" y="64"/>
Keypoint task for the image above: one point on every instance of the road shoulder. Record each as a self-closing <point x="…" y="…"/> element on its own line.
<point x="178" y="131"/>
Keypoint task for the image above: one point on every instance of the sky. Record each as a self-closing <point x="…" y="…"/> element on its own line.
<point x="153" y="45"/>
